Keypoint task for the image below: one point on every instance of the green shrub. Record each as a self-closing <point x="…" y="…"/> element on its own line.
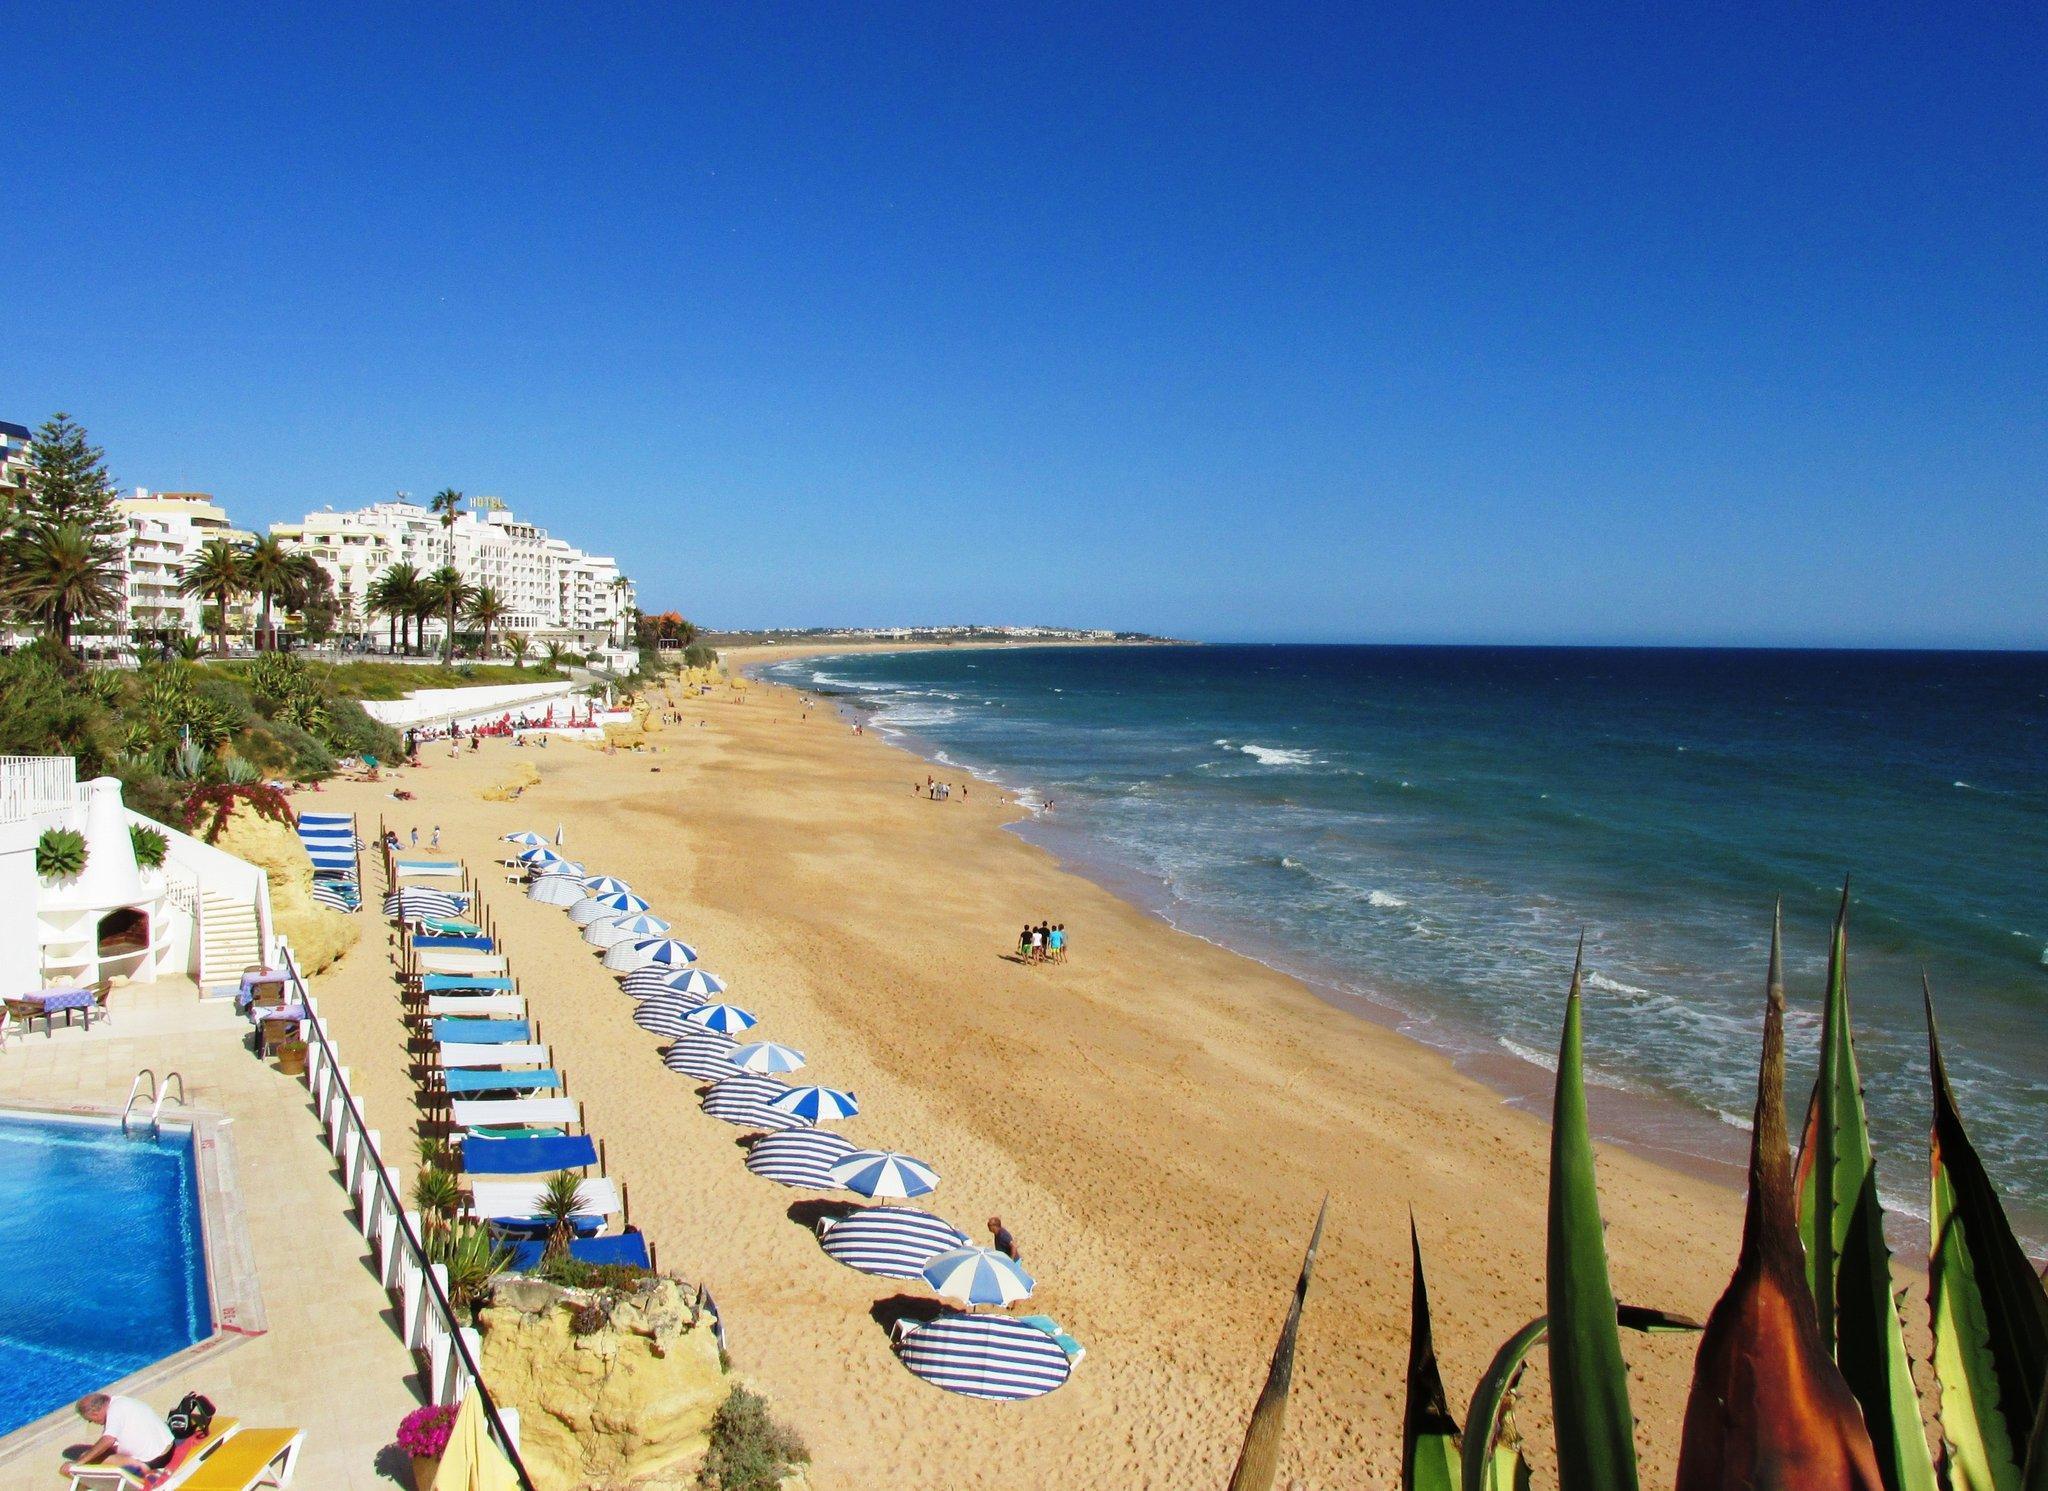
<point x="749" y="1450"/>
<point x="60" y="853"/>
<point x="149" y="844"/>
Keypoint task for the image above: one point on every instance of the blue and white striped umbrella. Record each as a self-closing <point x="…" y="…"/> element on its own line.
<point x="606" y="885"/>
<point x="884" y="1173"/>
<point x="700" y="1054"/>
<point x="540" y="854"/>
<point x="986" y="1356"/>
<point x="603" y="908"/>
<point x="414" y="901"/>
<point x="894" y="1242"/>
<point x="724" y="1018"/>
<point x="747" y="1100"/>
<point x="668" y="1019"/>
<point x="978" y="1276"/>
<point x="339" y="895"/>
<point x="818" y="1104"/>
<point x="798" y="1157"/>
<point x="767" y="1057"/>
<point x="527" y="837"/>
<point x="567" y="869"/>
<point x="694" y="982"/>
<point x="641" y="924"/>
<point x="556" y="890"/>
<point x="649" y="952"/>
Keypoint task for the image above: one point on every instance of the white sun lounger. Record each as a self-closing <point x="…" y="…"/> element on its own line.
<point x="501" y="1112"/>
<point x="508" y="1199"/>
<point x="491" y="1006"/>
<point x="460" y="960"/>
<point x="506" y="1056"/>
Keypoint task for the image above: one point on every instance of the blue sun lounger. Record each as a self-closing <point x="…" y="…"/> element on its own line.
<point x="620" y="1247"/>
<point x="481" y="944"/>
<point x="464" y="983"/>
<point x="455" y="1031"/>
<point x="527" y="1156"/>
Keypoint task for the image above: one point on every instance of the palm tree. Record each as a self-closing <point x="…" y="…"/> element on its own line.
<point x="58" y="572"/>
<point x="448" y="503"/>
<point x="555" y="653"/>
<point x="447" y="592"/>
<point x="276" y="573"/>
<point x="393" y="593"/>
<point x="519" y="645"/>
<point x="487" y="608"/>
<point x="217" y="573"/>
<point x="620" y="585"/>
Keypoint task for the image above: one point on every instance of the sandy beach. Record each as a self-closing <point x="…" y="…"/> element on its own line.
<point x="1156" y="1119"/>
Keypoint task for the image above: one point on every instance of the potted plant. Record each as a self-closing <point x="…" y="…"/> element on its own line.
<point x="423" y="1435"/>
<point x="60" y="853"/>
<point x="291" y="1057"/>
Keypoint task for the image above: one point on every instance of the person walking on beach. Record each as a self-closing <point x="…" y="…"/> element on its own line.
<point x="1056" y="943"/>
<point x="415" y="837"/>
<point x="1005" y="1241"/>
<point x="1038" y="944"/>
<point x="434" y="840"/>
<point x="1024" y="944"/>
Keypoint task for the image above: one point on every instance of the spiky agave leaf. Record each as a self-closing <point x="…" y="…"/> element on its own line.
<point x="1989" y="1311"/>
<point x="1588" y="1383"/>
<point x="1258" y="1462"/>
<point x="1429" y="1435"/>
<point x="1848" y="1265"/>
<point x="1768" y="1407"/>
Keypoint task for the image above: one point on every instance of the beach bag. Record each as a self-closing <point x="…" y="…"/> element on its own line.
<point x="191" y="1418"/>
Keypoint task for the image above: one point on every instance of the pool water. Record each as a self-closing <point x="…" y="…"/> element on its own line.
<point x="105" y="1266"/>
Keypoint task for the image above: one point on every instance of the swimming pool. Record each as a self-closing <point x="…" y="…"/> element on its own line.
<point x="105" y="1258"/>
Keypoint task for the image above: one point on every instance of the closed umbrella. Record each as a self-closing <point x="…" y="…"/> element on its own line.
<point x="798" y="1157"/>
<point x="603" y="908"/>
<point x="818" y="1104"/>
<point x="893" y="1242"/>
<point x="884" y="1173"/>
<point x="978" y="1276"/>
<point x="607" y="934"/>
<point x="767" y="1057"/>
<point x="724" y="1018"/>
<point x="986" y="1356"/>
<point x="694" y="982"/>
<point x="658" y="952"/>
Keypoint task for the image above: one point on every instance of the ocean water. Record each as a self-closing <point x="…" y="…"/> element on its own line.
<point x="1430" y="830"/>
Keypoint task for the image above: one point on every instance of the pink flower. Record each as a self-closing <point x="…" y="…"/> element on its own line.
<point x="424" y="1431"/>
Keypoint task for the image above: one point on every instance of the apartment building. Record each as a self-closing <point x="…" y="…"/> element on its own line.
<point x="165" y="530"/>
<point x="14" y="443"/>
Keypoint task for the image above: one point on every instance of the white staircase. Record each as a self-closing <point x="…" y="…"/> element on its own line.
<point x="230" y="938"/>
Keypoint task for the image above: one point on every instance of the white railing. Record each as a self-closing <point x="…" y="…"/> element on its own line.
<point x="426" y="1318"/>
<point x="36" y="784"/>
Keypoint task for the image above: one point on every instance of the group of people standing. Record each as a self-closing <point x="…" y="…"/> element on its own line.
<point x="1044" y="943"/>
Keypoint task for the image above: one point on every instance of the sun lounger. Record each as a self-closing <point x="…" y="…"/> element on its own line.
<point x="436" y="926"/>
<point x="477" y="943"/>
<point x="518" y="1201"/>
<point x="481" y="1032"/>
<point x="449" y="983"/>
<point x="458" y="1054"/>
<point x="527" y="1156"/>
<point x="429" y="867"/>
<point x="487" y="1006"/>
<point x="183" y="1462"/>
<point x="618" y="1247"/>
<point x="512" y="1131"/>
<point x="554" y="1112"/>
<point x="462" y="960"/>
<point x="478" y="1079"/>
<point x="253" y="1457"/>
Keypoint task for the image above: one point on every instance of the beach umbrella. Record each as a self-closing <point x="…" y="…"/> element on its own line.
<point x="415" y="901"/>
<point x="767" y="1057"/>
<point x="723" y="1018"/>
<point x="798" y="1157"/>
<point x="986" y="1356"/>
<point x="556" y="890"/>
<point x="603" y="908"/>
<point x="656" y="952"/>
<point x="695" y="982"/>
<point x="894" y="1242"/>
<point x="526" y="837"/>
<point x="701" y="1055"/>
<point x="885" y="1173"/>
<point x="560" y="870"/>
<point x="606" y="885"/>
<point x="619" y="929"/>
<point x="978" y="1276"/>
<point x="540" y="854"/>
<point x="818" y="1104"/>
<point x="667" y="1019"/>
<point x="748" y="1101"/>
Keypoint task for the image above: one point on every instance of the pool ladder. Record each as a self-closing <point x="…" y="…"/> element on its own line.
<point x="155" y="1096"/>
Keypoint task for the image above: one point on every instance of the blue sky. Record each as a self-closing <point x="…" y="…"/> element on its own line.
<point x="1706" y="324"/>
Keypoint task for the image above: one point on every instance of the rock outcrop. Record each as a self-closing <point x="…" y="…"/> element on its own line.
<point x="318" y="934"/>
<point x="628" y="1402"/>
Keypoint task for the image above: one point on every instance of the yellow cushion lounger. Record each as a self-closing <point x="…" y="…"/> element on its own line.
<point x="114" y="1478"/>
<point x="254" y="1457"/>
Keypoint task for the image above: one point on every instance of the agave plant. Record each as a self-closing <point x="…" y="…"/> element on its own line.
<point x="473" y="1257"/>
<point x="558" y="1202"/>
<point x="436" y="1193"/>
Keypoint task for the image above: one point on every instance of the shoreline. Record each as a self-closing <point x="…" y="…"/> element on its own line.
<point x="1157" y="1119"/>
<point x="1619" y="1115"/>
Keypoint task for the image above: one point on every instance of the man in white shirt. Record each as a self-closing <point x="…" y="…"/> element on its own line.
<point x="132" y="1435"/>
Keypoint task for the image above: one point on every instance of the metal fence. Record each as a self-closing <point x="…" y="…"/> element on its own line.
<point x="36" y="784"/>
<point x="426" y="1317"/>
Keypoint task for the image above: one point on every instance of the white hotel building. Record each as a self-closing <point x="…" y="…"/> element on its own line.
<point x="556" y="592"/>
<point x="165" y="530"/>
